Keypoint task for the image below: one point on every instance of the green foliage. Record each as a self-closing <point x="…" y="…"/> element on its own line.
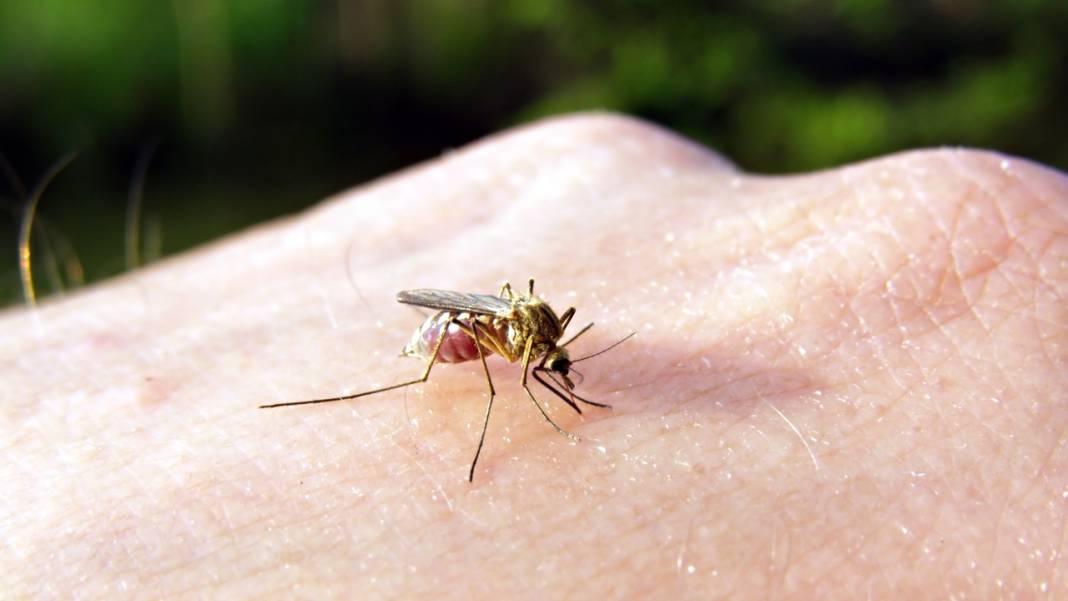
<point x="263" y="106"/>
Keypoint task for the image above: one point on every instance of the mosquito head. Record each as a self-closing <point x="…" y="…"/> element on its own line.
<point x="559" y="361"/>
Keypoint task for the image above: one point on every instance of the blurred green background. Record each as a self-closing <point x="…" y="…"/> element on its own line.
<point x="238" y="111"/>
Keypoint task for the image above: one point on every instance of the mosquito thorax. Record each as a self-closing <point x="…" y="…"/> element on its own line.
<point x="534" y="318"/>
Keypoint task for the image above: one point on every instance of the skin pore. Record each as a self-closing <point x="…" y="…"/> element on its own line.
<point x="845" y="384"/>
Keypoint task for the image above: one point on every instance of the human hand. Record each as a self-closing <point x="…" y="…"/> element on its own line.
<point x="848" y="383"/>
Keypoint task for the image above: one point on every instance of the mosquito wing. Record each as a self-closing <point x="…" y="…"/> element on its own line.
<point x="482" y="304"/>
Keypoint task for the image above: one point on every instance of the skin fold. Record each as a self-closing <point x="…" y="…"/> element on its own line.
<point x="845" y="384"/>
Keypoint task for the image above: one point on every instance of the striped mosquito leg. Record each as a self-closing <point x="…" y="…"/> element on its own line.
<point x="526" y="366"/>
<point x="489" y="406"/>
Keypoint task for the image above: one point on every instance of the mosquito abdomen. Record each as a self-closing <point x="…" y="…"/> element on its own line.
<point x="457" y="347"/>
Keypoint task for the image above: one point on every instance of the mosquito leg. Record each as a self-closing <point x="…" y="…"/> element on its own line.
<point x="537" y="376"/>
<point x="566" y="318"/>
<point x="419" y="380"/>
<point x="570" y="392"/>
<point x="489" y="405"/>
<point x="526" y="366"/>
<point x="589" y="402"/>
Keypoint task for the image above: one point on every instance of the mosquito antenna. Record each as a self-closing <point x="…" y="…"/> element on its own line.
<point x="580" y="333"/>
<point x="604" y="350"/>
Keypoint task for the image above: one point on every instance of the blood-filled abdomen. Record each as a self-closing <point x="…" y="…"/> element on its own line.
<point x="457" y="347"/>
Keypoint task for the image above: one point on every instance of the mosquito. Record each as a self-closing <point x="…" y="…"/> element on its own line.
<point x="518" y="326"/>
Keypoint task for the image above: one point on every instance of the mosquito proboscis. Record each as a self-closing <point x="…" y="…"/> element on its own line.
<point x="518" y="326"/>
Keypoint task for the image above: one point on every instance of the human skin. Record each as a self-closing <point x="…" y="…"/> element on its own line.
<point x="847" y="384"/>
